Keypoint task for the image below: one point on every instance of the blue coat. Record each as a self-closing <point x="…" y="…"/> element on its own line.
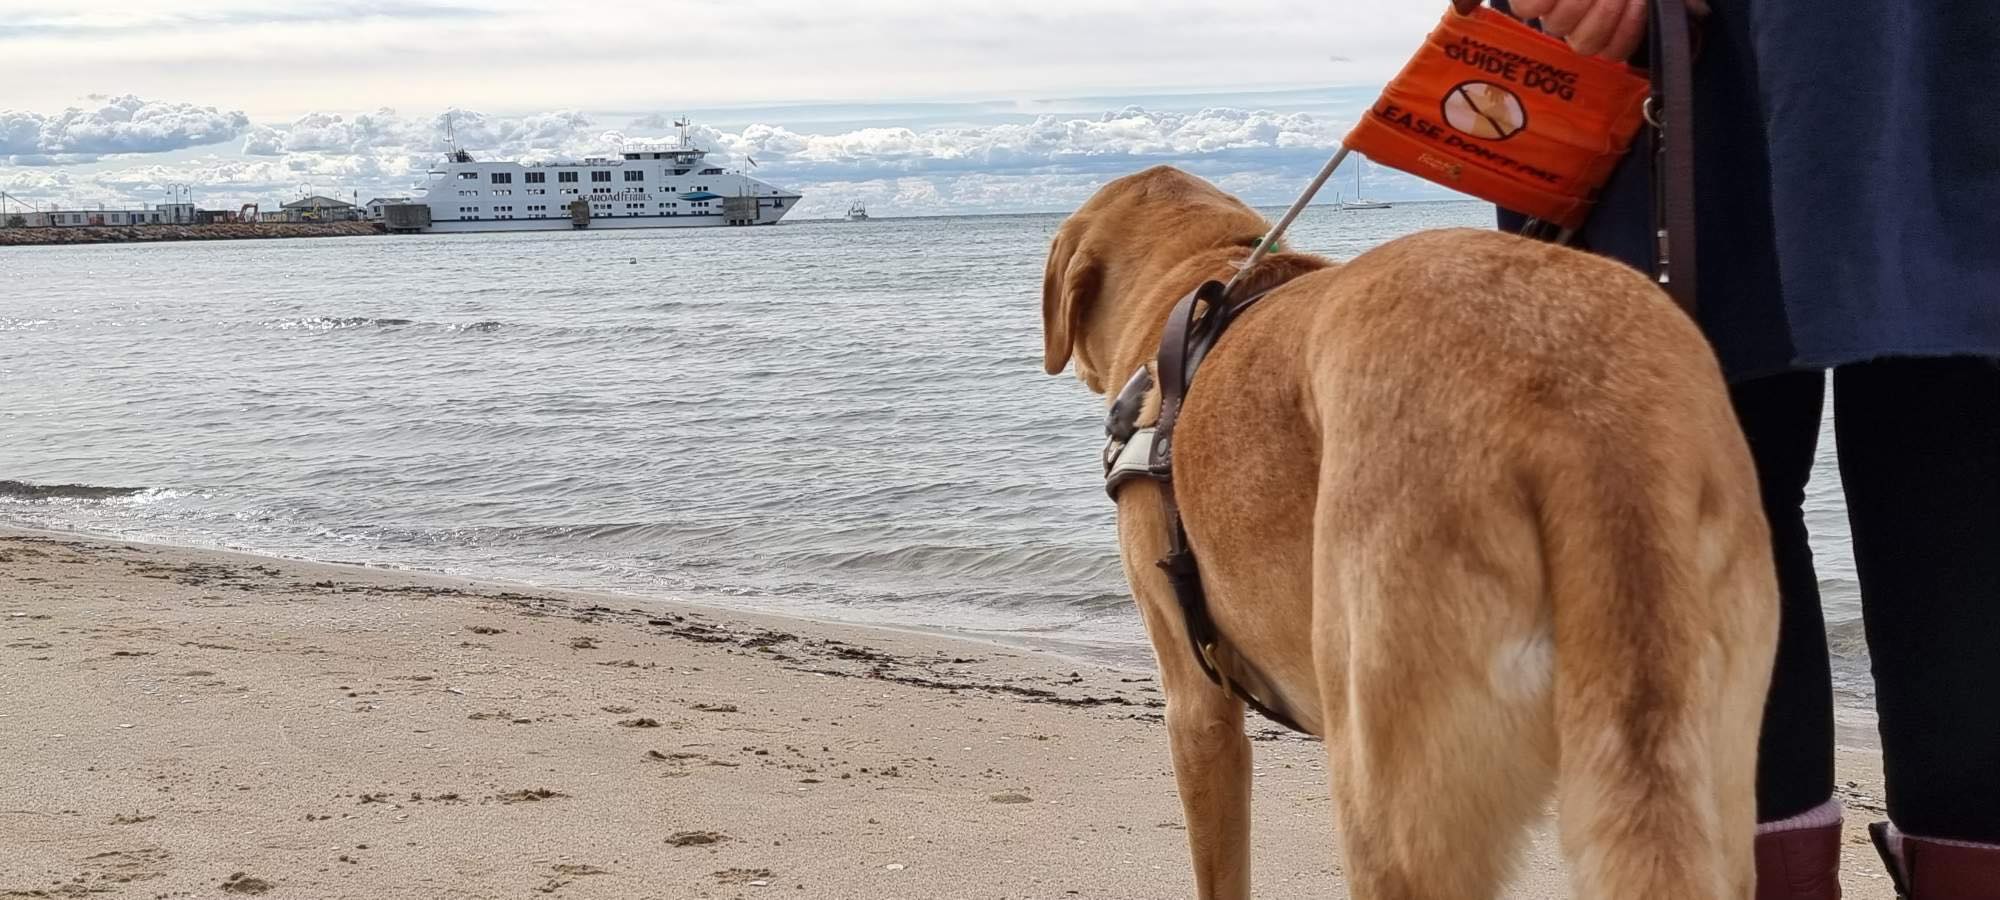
<point x="1849" y="183"/>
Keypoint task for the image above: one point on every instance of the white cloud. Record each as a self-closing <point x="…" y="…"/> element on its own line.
<point x="263" y="140"/>
<point x="36" y="182"/>
<point x="1128" y="134"/>
<point x="1020" y="163"/>
<point x="116" y="125"/>
<point x="553" y="80"/>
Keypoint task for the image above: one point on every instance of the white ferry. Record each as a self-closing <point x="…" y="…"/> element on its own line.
<point x="670" y="186"/>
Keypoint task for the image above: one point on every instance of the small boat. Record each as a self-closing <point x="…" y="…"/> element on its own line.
<point x="857" y="213"/>
<point x="1359" y="202"/>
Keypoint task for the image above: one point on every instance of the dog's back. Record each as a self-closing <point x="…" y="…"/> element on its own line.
<point x="1501" y="484"/>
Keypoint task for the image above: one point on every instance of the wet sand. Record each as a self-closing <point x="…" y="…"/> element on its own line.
<point x="185" y="723"/>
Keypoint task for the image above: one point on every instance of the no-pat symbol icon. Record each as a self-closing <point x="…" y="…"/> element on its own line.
<point x="1485" y="110"/>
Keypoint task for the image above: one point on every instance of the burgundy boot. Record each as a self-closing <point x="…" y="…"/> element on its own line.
<point x="1799" y="863"/>
<point x="1927" y="869"/>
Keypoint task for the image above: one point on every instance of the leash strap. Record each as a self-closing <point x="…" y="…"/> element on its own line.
<point x="1673" y="168"/>
<point x="1671" y="113"/>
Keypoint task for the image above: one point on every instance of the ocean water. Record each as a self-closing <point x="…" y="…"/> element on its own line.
<point x="836" y="420"/>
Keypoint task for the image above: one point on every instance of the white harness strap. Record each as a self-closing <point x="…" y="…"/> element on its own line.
<point x="1128" y="459"/>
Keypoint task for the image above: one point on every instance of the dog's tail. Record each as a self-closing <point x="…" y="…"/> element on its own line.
<point x="1664" y="610"/>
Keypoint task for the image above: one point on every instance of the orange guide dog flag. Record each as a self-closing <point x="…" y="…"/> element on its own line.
<point x="1498" y="110"/>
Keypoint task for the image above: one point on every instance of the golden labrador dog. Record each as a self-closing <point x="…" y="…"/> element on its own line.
<point x="1478" y="511"/>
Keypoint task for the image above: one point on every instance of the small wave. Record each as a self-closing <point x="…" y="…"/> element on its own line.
<point x="335" y="323"/>
<point x="21" y="490"/>
<point x="1047" y="562"/>
<point x="1847" y="640"/>
<point x="353" y="323"/>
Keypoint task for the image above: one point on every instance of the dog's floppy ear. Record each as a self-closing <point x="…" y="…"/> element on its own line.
<point x="1069" y="285"/>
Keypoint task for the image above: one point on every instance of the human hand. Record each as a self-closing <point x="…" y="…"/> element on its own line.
<point x="1608" y="28"/>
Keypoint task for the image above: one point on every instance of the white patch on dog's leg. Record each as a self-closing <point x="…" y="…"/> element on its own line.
<point x="1524" y="670"/>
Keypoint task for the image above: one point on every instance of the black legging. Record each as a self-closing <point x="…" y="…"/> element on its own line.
<point x="1919" y="444"/>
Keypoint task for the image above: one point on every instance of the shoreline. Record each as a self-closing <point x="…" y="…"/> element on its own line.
<point x="1854" y="714"/>
<point x="63" y="236"/>
<point x="1133" y="656"/>
<point x="182" y="716"/>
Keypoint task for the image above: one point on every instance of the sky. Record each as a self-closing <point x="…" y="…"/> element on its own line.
<point x="915" y="108"/>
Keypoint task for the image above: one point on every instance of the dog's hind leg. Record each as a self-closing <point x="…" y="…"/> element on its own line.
<point x="1434" y="672"/>
<point x="1665" y="612"/>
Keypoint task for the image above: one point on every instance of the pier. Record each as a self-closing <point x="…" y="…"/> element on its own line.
<point x="140" y="234"/>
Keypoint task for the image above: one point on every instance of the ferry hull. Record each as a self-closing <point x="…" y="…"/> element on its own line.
<point x="608" y="223"/>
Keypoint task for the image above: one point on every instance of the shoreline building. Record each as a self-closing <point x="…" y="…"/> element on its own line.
<point x="376" y="206"/>
<point x="57" y="217"/>
<point x="315" y="208"/>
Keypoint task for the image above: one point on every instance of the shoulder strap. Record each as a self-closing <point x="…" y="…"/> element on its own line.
<point x="1196" y="322"/>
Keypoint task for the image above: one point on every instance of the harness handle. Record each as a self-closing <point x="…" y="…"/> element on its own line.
<point x="1277" y="232"/>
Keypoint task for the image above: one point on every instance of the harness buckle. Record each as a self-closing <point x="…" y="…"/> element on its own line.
<point x="1208" y="657"/>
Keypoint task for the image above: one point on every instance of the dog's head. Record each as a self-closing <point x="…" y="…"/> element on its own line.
<point x="1109" y="259"/>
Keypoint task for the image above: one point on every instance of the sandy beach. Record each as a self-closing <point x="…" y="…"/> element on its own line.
<point x="187" y="723"/>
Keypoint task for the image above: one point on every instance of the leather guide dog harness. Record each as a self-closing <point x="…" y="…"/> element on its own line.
<point x="1199" y="319"/>
<point x="1132" y="452"/>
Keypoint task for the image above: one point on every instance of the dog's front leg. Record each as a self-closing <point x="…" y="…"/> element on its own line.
<point x="1211" y="764"/>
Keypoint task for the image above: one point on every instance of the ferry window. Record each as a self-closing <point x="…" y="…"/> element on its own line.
<point x="536" y="178"/>
<point x="566" y="177"/>
<point x="600" y="176"/>
<point x="503" y="178"/>
<point x="569" y="190"/>
<point x="468" y="176"/>
<point x="711" y="171"/>
<point x="635" y="176"/>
